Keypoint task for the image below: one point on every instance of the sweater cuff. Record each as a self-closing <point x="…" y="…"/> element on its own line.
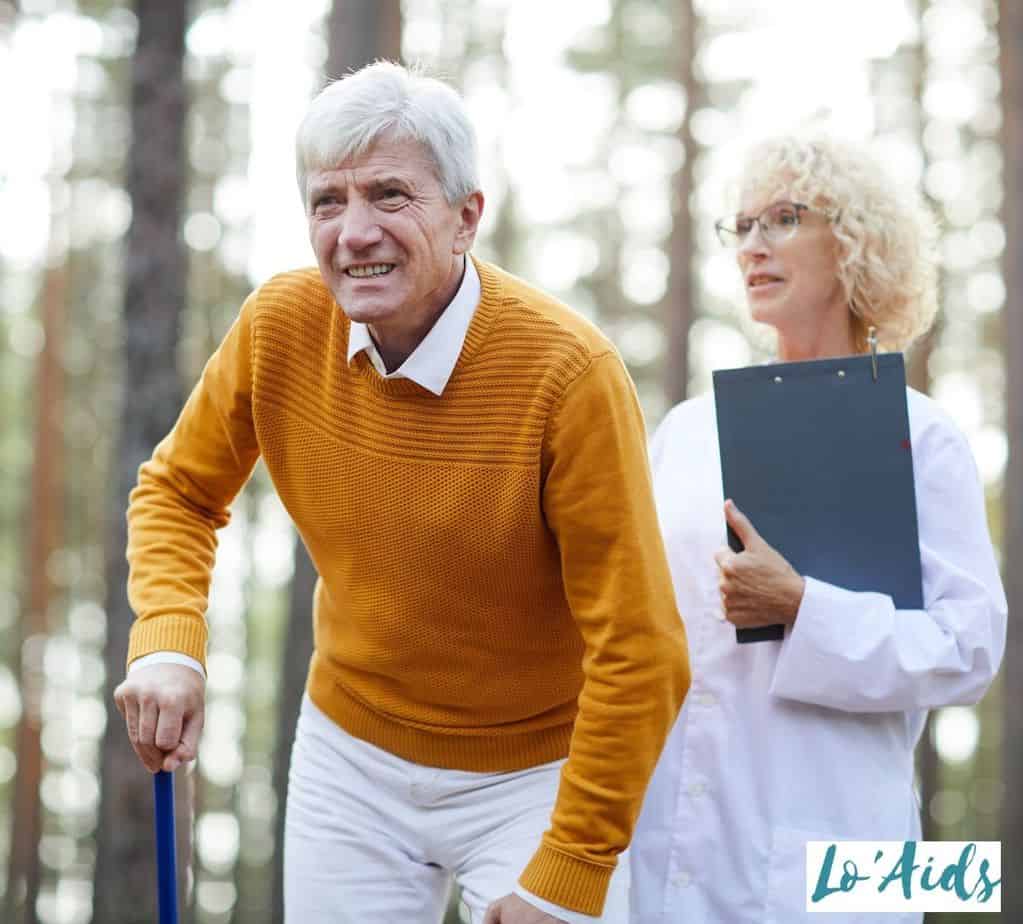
<point x="567" y="881"/>
<point x="172" y="632"/>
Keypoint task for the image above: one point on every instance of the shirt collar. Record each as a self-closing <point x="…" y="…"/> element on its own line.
<point x="431" y="363"/>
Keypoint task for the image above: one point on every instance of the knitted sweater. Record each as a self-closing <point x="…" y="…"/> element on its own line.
<point x="493" y="589"/>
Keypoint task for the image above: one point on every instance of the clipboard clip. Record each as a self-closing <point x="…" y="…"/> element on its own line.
<point x="872" y="343"/>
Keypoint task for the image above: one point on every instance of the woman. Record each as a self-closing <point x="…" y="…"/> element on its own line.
<point x="810" y="738"/>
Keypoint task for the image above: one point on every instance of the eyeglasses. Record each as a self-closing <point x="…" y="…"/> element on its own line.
<point x="777" y="223"/>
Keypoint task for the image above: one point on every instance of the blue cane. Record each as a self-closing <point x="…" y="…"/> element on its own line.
<point x="166" y="871"/>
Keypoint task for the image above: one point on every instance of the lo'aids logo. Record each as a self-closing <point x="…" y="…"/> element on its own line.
<point x="903" y="876"/>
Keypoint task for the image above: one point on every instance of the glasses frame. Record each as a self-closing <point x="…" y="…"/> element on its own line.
<point x="730" y="237"/>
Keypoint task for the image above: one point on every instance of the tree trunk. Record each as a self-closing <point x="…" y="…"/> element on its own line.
<point x="359" y="31"/>
<point x="155" y="279"/>
<point x="298" y="648"/>
<point x="918" y="376"/>
<point x="1010" y="23"/>
<point x="678" y="306"/>
<point x="45" y="521"/>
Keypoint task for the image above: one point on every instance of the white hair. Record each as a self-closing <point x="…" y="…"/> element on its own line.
<point x="386" y="100"/>
<point x="887" y="234"/>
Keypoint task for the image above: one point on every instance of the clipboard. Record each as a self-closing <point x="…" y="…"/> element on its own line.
<point x="818" y="455"/>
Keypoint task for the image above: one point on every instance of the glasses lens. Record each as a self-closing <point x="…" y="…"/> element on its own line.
<point x="780" y="221"/>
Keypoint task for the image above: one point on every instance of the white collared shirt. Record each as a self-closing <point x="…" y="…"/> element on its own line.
<point x="812" y="737"/>
<point x="431" y="363"/>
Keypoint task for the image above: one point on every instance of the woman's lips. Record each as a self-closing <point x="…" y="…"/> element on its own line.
<point x="765" y="287"/>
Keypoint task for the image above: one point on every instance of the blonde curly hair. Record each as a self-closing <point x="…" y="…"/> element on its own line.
<point x="887" y="235"/>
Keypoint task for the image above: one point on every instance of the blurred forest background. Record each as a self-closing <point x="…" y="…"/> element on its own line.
<point x="146" y="186"/>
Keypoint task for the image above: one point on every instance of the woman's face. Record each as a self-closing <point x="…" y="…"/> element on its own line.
<point x="791" y="282"/>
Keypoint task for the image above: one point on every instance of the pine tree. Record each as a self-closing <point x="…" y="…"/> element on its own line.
<point x="151" y="396"/>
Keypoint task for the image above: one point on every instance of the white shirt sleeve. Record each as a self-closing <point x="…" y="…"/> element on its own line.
<point x="562" y="914"/>
<point x="166" y="657"/>
<point x="856" y="652"/>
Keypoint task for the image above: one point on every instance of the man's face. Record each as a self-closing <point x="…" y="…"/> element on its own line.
<point x="387" y="241"/>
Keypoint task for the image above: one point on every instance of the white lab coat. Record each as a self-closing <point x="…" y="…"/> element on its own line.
<point x="810" y="738"/>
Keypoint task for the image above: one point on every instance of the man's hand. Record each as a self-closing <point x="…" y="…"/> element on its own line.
<point x="513" y="910"/>
<point x="163" y="707"/>
<point x="758" y="586"/>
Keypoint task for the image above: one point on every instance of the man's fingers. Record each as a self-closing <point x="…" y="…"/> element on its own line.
<point x="187" y="748"/>
<point x="143" y="743"/>
<point x="493" y="915"/>
<point x="145" y="725"/>
<point x="149" y="755"/>
<point x="130" y="711"/>
<point x="152" y="757"/>
<point x="148" y="715"/>
<point x="190" y="731"/>
<point x="168" y="728"/>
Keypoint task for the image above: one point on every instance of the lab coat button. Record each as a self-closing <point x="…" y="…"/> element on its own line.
<point x="682" y="880"/>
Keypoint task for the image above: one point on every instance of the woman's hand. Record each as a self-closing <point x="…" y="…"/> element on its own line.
<point x="758" y="586"/>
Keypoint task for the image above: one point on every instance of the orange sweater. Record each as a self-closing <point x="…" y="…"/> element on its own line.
<point x="493" y="590"/>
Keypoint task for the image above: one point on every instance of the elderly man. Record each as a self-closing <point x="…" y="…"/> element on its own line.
<point x="498" y="654"/>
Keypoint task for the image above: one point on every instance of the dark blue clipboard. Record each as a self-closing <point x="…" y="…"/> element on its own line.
<point x="818" y="456"/>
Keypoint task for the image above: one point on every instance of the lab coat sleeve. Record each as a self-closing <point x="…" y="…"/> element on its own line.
<point x="856" y="652"/>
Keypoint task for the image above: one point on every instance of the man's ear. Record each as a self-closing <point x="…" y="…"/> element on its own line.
<point x="469" y="216"/>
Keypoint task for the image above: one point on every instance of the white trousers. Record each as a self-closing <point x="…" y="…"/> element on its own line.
<point x="374" y="839"/>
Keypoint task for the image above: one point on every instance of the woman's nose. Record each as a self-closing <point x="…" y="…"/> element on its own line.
<point x="754" y="241"/>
